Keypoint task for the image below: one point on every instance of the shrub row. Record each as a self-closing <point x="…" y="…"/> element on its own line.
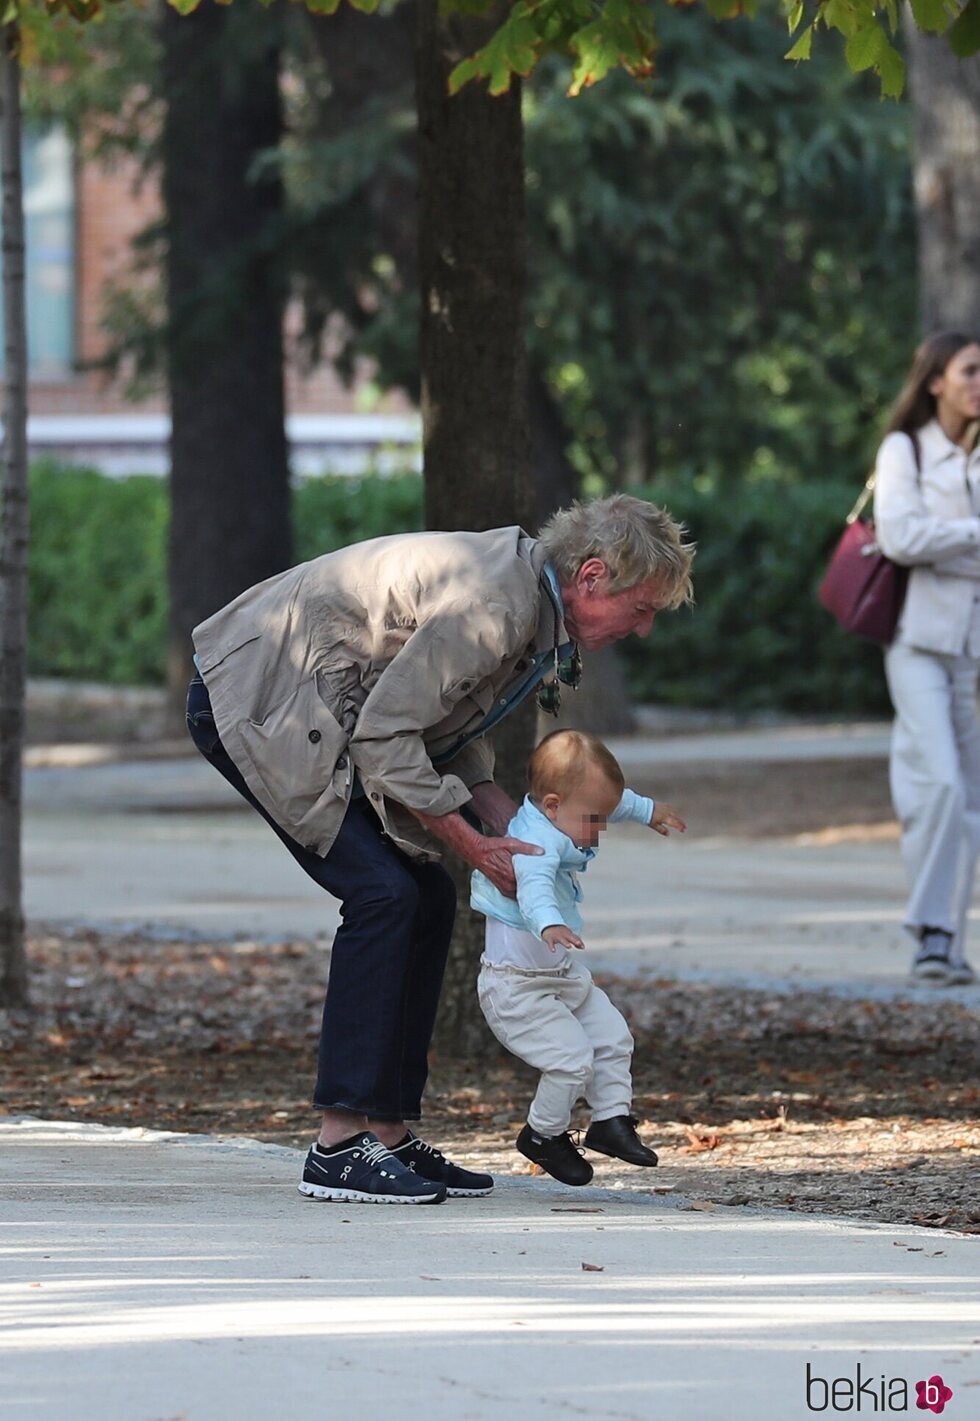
<point x="756" y="638"/>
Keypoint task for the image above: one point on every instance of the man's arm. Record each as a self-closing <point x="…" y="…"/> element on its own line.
<point x="492" y="805"/>
<point x="493" y="857"/>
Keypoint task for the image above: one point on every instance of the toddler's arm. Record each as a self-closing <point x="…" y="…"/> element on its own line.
<point x="536" y="892"/>
<point x="638" y="809"/>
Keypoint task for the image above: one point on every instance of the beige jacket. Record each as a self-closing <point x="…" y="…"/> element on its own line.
<point x="926" y="519"/>
<point x="374" y="658"/>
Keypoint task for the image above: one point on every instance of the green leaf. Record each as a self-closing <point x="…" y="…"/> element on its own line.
<point x="964" y="36"/>
<point x="930" y="15"/>
<point x="801" y="49"/>
<point x="366" y="7"/>
<point x="796" y="16"/>
<point x="512" y="50"/>
<point x="622" y="34"/>
<point x="865" y="48"/>
<point x="891" y="68"/>
<point x="184" y="7"/>
<point x="323" y="7"/>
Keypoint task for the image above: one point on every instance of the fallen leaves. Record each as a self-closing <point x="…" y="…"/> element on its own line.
<point x="221" y="1036"/>
<point x="697" y="1144"/>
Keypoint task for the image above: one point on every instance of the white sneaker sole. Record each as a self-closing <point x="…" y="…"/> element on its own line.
<point x="469" y="1193"/>
<point x="358" y="1196"/>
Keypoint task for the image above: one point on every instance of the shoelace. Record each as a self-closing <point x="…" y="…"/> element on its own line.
<point x="375" y="1153"/>
<point x="425" y="1148"/>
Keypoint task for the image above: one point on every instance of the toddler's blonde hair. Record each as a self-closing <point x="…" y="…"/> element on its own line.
<point x="558" y="764"/>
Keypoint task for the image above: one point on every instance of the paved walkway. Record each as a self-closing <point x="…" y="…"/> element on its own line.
<point x="149" y="1277"/>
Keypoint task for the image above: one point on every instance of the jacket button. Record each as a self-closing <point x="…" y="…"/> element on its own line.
<point x="315" y="737"/>
<point x="375" y="796"/>
<point x="342" y="763"/>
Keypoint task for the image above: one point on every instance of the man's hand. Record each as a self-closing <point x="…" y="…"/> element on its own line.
<point x="665" y="818"/>
<point x="560" y="936"/>
<point x="494" y="857"/>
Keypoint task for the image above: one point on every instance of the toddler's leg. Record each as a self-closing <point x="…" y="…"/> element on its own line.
<point x="525" y="1013"/>
<point x="610" y="1091"/>
<point x="613" y="1128"/>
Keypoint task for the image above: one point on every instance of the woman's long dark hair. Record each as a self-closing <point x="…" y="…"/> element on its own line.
<point x="915" y="406"/>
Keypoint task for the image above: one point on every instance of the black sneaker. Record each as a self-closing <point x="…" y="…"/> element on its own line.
<point x="431" y="1163"/>
<point x="361" y="1170"/>
<point x="617" y="1137"/>
<point x="556" y="1154"/>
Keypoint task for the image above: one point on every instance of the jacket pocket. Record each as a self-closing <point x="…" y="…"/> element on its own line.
<point x="213" y="656"/>
<point x="299" y="752"/>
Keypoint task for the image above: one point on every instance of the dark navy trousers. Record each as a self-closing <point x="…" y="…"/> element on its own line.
<point x="388" y="957"/>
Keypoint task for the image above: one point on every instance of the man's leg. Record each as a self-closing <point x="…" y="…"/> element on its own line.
<point x="362" y="1037"/>
<point x="433" y="933"/>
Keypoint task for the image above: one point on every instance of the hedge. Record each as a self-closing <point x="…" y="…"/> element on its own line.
<point x="756" y="638"/>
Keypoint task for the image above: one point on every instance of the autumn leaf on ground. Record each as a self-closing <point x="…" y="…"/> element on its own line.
<point x="698" y="1143"/>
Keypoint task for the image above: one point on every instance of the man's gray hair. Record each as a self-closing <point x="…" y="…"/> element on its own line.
<point x="635" y="539"/>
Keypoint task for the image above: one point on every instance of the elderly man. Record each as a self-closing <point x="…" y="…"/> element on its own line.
<point x="348" y="700"/>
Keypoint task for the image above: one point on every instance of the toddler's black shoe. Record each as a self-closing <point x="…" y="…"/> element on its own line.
<point x="431" y="1163"/>
<point x="361" y="1170"/>
<point x="556" y="1154"/>
<point x="618" y="1137"/>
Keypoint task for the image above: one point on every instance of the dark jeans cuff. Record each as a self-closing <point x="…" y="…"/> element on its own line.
<point x="369" y="1110"/>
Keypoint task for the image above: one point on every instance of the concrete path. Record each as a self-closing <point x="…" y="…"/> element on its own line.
<point x="168" y="846"/>
<point x="148" y="1277"/>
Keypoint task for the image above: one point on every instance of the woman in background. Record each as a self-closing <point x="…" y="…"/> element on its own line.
<point x="927" y="501"/>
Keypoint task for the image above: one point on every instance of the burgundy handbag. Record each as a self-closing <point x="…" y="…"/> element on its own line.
<point x="862" y="588"/>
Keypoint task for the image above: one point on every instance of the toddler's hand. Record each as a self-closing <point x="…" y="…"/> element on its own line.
<point x="665" y="818"/>
<point x="560" y="936"/>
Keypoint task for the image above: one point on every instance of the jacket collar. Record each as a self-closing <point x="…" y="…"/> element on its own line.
<point x="551" y="630"/>
<point x="936" y="446"/>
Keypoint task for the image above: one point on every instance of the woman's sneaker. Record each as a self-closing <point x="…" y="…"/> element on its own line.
<point x="933" y="959"/>
<point x="362" y="1171"/>
<point x="432" y="1164"/>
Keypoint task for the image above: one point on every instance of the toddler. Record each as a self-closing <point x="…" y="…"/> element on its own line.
<point x="538" y="999"/>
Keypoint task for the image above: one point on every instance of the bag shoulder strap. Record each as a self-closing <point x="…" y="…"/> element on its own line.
<point x="866" y="493"/>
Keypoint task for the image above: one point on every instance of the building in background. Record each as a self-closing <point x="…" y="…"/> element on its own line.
<point x="81" y="218"/>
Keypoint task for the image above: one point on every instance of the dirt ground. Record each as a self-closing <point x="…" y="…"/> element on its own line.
<point x="806" y="1102"/>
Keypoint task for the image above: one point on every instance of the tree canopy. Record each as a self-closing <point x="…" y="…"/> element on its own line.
<point x="601" y="36"/>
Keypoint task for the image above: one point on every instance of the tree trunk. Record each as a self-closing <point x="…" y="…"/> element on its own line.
<point x="476" y="440"/>
<point x="946" y="95"/>
<point x="13" y="550"/>
<point x="230" y="476"/>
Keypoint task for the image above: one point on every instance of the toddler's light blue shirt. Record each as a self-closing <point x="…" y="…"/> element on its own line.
<point x="547" y="888"/>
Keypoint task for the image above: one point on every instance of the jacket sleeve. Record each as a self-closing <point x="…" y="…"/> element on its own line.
<point x="439" y="664"/>
<point x="536" y="874"/>
<point x="474" y="764"/>
<point x="633" y="807"/>
<point x="962" y="565"/>
<point x="907" y="533"/>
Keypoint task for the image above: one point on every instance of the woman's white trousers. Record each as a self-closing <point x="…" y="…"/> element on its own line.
<point x="935" y="784"/>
